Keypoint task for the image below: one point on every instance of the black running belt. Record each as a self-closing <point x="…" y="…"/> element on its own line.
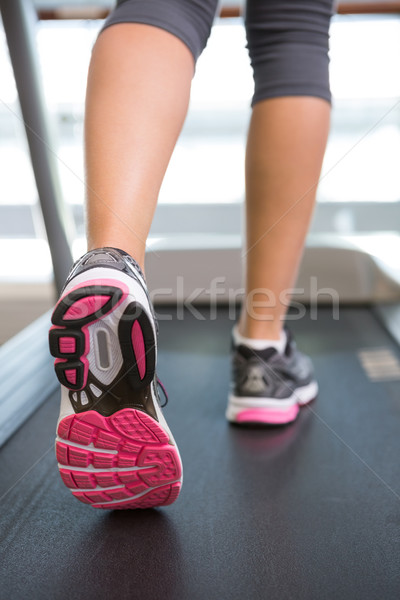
<point x="305" y="511"/>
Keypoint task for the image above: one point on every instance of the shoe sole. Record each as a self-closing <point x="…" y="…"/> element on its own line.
<point x="114" y="448"/>
<point x="270" y="411"/>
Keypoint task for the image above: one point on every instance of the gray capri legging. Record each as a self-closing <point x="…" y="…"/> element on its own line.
<point x="288" y="40"/>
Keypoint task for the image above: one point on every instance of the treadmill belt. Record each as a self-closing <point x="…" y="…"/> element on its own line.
<point x="307" y="511"/>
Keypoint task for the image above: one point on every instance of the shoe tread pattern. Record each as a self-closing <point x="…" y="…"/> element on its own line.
<point x="121" y="461"/>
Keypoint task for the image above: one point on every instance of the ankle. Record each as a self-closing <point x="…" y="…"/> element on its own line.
<point x="260" y="330"/>
<point x="278" y="343"/>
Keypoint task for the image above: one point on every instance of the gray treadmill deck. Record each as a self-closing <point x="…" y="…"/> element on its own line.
<point x="306" y="511"/>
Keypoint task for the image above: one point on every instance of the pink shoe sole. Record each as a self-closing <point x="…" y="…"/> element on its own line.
<point x="118" y="462"/>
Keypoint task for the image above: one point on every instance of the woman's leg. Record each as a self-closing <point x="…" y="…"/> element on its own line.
<point x="288" y="47"/>
<point x="104" y="334"/>
<point x="288" y="44"/>
<point x="137" y="98"/>
<point x="286" y="145"/>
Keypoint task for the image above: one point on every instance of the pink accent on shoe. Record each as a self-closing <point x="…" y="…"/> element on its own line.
<point x="85" y="307"/>
<point x="62" y="454"/>
<point x="68" y="479"/>
<point x="78" y="458"/>
<point x="139" y="348"/>
<point x="108" y="441"/>
<point x="141" y="429"/>
<point x="84" y="480"/>
<point x="64" y="427"/>
<point x="67" y="345"/>
<point x="99" y="282"/>
<point x="70" y="375"/>
<point x="268" y="415"/>
<point x="134" y="440"/>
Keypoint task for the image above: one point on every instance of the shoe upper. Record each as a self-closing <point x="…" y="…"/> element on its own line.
<point x="109" y="258"/>
<point x="267" y="373"/>
<point x="121" y="262"/>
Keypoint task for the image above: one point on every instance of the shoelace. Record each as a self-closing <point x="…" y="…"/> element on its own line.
<point x="164" y="391"/>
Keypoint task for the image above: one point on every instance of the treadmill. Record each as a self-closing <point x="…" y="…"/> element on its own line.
<point x="307" y="511"/>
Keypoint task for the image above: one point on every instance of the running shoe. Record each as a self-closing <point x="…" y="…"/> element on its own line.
<point x="113" y="445"/>
<point x="268" y="386"/>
